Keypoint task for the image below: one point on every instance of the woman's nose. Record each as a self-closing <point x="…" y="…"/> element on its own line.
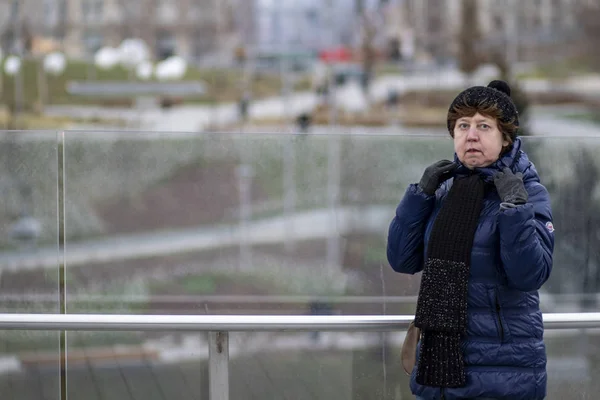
<point x="472" y="134"/>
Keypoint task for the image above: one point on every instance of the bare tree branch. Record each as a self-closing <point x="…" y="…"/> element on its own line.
<point x="588" y="17"/>
<point x="469" y="57"/>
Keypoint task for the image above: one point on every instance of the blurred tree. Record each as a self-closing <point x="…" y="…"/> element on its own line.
<point x="368" y="34"/>
<point x="469" y="37"/>
<point x="522" y="103"/>
<point x="240" y="55"/>
<point x="26" y="37"/>
<point x="393" y="51"/>
<point x="518" y="95"/>
<point x="368" y="51"/>
<point x="133" y="12"/>
<point x="62" y="27"/>
<point x="588" y="18"/>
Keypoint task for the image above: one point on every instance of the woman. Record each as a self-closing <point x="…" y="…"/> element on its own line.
<point x="480" y="228"/>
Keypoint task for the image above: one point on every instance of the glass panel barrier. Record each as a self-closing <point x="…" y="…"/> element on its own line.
<point x="29" y="259"/>
<point x="287" y="291"/>
<point x="236" y="223"/>
<point x="569" y="167"/>
<point x="250" y="223"/>
<point x="291" y="224"/>
<point x="246" y="224"/>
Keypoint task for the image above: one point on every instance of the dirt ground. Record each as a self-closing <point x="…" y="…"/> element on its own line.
<point x="195" y="195"/>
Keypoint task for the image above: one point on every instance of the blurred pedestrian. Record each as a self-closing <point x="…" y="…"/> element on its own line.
<point x="303" y="122"/>
<point x="243" y="105"/>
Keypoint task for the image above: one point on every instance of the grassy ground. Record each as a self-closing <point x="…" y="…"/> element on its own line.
<point x="587" y="117"/>
<point x="387" y="69"/>
<point x="557" y="71"/>
<point x="37" y="121"/>
<point x="222" y="85"/>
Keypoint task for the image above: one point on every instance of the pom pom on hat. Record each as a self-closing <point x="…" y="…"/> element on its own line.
<point x="501" y="86"/>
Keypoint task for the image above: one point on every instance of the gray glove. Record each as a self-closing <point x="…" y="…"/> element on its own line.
<point x="511" y="188"/>
<point x="435" y="175"/>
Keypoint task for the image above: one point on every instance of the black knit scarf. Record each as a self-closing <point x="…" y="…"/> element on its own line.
<point x="442" y="303"/>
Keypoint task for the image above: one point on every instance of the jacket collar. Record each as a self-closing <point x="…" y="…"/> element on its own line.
<point x="509" y="159"/>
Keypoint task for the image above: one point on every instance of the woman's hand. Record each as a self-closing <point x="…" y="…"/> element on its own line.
<point x="511" y="188"/>
<point x="435" y="175"/>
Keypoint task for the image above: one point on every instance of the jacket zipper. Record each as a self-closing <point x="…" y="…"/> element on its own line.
<point x="442" y="397"/>
<point x="499" y="318"/>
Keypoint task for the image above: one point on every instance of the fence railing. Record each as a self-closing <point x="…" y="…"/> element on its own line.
<point x="219" y="326"/>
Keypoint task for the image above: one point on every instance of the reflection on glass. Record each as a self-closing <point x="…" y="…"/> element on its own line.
<point x="28" y="217"/>
<point x="246" y="224"/>
<point x="236" y="223"/>
<point x="197" y="223"/>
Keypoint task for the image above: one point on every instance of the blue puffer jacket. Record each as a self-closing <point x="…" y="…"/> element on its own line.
<point x="504" y="351"/>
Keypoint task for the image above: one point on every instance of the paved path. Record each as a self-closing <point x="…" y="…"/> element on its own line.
<point x="315" y="224"/>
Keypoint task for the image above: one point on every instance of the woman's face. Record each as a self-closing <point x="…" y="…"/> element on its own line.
<point x="478" y="141"/>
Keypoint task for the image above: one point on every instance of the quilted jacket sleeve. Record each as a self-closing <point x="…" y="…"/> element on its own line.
<point x="407" y="231"/>
<point x="527" y="240"/>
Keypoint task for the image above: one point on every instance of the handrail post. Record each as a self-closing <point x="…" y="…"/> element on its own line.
<point x="218" y="365"/>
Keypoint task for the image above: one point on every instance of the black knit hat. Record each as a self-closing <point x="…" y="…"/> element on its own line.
<point x="497" y="94"/>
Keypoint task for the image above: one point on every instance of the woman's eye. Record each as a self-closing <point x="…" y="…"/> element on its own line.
<point x="485" y="126"/>
<point x="463" y="126"/>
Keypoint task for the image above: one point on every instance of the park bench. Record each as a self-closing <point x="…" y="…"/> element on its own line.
<point x="166" y="93"/>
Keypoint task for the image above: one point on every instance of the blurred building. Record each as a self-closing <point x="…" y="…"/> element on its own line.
<point x="304" y="25"/>
<point x="211" y="30"/>
<point x="190" y="28"/>
<point x="530" y="30"/>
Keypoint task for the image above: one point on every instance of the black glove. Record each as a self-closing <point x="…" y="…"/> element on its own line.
<point x="435" y="174"/>
<point x="511" y="188"/>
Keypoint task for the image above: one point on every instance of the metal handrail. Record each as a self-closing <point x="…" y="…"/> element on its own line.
<point x="239" y="323"/>
<point x="219" y="326"/>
